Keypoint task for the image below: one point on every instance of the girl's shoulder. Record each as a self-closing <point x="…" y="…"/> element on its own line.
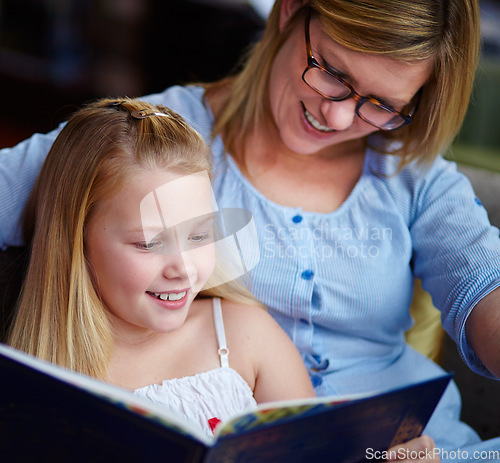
<point x="264" y="355"/>
<point x="239" y="319"/>
<point x="246" y="326"/>
<point x="246" y="317"/>
<point x="252" y="329"/>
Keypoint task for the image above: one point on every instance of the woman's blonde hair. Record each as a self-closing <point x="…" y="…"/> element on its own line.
<point x="60" y="317"/>
<point x="446" y="31"/>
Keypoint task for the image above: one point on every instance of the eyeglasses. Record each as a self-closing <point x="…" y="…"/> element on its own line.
<point x="331" y="86"/>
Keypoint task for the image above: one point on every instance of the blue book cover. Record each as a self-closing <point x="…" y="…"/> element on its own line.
<point x="48" y="413"/>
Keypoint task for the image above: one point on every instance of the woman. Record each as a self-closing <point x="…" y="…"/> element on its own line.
<point x="330" y="136"/>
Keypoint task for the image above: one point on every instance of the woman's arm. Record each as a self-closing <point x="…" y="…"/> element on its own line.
<point x="19" y="167"/>
<point x="483" y="331"/>
<point x="456" y="253"/>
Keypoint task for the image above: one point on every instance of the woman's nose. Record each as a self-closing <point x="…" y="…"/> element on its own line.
<point x="339" y="115"/>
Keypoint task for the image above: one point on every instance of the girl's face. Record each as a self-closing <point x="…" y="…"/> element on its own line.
<point x="308" y="122"/>
<point x="150" y="249"/>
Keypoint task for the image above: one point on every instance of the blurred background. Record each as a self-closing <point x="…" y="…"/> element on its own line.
<point x="57" y="54"/>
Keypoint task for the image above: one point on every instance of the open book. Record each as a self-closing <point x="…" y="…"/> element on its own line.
<point x="48" y="413"/>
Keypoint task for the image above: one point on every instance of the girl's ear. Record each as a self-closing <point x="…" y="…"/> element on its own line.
<point x="287" y="9"/>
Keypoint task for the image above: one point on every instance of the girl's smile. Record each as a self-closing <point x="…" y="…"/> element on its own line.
<point x="170" y="300"/>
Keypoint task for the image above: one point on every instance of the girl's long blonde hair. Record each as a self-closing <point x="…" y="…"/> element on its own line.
<point x="60" y="317"/>
<point x="446" y="31"/>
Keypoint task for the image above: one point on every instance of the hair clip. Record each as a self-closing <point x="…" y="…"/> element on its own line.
<point x="143" y="113"/>
<point x="115" y="104"/>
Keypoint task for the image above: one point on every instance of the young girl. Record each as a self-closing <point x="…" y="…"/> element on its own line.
<point x="121" y="228"/>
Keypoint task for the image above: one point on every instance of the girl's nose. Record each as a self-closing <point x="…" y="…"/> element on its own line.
<point x="339" y="115"/>
<point x="175" y="266"/>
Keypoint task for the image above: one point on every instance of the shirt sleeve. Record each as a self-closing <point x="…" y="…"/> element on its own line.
<point x="19" y="167"/>
<point x="456" y="251"/>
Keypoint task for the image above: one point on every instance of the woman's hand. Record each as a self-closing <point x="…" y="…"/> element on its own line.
<point x="420" y="449"/>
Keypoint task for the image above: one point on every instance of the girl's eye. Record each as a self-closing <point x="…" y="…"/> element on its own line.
<point x="199" y="238"/>
<point x="150" y="246"/>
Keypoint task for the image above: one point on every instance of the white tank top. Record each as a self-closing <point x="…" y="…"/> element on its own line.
<point x="219" y="393"/>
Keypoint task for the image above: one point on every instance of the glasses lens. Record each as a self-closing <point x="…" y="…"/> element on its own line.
<point x="379" y="116"/>
<point x="325" y="84"/>
<point x="328" y="86"/>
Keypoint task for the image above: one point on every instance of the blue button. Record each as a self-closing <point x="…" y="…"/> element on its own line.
<point x="323" y="365"/>
<point x="305" y="321"/>
<point x="307" y="274"/>
<point x="316" y="380"/>
<point x="297" y="218"/>
<point x="478" y="201"/>
<point x="316" y="358"/>
<point x="317" y="363"/>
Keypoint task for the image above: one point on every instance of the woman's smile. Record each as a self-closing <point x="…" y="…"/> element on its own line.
<point x="315" y="123"/>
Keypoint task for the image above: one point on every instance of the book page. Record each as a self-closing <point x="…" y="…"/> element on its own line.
<point x="274" y="413"/>
<point x="280" y="411"/>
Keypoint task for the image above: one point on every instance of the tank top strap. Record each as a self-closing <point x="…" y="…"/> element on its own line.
<point x="221" y="334"/>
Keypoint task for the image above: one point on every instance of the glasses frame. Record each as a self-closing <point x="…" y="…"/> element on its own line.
<point x="360" y="100"/>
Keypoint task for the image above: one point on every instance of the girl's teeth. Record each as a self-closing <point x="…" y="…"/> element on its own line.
<point x="315" y="123"/>
<point x="170" y="296"/>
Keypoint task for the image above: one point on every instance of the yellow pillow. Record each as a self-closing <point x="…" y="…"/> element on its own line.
<point x="426" y="335"/>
